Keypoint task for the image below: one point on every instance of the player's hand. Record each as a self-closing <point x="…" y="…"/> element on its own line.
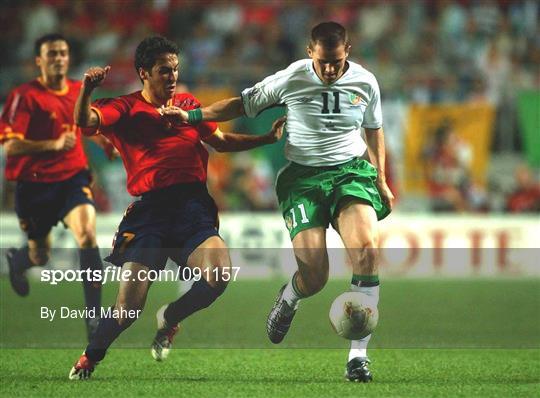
<point x="276" y="132"/>
<point x="386" y="194"/>
<point x="111" y="152"/>
<point x="66" y="141"/>
<point x="173" y="114"/>
<point x="95" y="76"/>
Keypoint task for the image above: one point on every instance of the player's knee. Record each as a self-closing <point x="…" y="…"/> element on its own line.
<point x="219" y="277"/>
<point x="86" y="238"/>
<point x="372" y="242"/>
<point x="313" y="259"/>
<point x="368" y="240"/>
<point x="39" y="257"/>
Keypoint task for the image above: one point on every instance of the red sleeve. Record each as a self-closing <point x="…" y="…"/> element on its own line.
<point x="206" y="129"/>
<point x="15" y="116"/>
<point x="110" y="110"/>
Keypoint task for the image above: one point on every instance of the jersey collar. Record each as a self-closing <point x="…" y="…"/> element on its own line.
<point x="61" y="92"/>
<point x="147" y="99"/>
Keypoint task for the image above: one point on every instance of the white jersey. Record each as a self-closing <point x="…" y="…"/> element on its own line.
<point x="324" y="121"/>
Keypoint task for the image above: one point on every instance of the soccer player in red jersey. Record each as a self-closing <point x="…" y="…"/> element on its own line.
<point x="45" y="157"/>
<point x="175" y="218"/>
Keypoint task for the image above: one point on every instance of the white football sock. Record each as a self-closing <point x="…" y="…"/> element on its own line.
<point x="359" y="347"/>
<point x="290" y="295"/>
<point x="371" y="291"/>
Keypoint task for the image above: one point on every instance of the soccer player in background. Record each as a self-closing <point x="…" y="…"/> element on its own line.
<point x="45" y="157"/>
<point x="329" y="100"/>
<point x="175" y="218"/>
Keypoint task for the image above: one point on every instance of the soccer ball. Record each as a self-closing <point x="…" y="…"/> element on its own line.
<point x="353" y="315"/>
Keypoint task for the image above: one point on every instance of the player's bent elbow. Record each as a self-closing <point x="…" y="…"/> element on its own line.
<point x="88" y="121"/>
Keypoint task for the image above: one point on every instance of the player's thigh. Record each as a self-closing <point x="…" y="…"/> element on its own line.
<point x="195" y="239"/>
<point x="356" y="223"/>
<point x="357" y="179"/>
<point x="81" y="220"/>
<point x="36" y="206"/>
<point x="310" y="251"/>
<point x="212" y="259"/>
<point x="303" y="200"/>
<point x="140" y="237"/>
<point x="78" y="212"/>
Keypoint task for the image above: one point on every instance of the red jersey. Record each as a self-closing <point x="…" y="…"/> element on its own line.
<point x="35" y="112"/>
<point x="155" y="153"/>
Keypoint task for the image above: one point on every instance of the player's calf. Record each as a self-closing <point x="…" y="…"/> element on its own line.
<point x="200" y="296"/>
<point x="311" y="282"/>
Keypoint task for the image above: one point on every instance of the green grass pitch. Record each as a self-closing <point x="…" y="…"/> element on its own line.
<point x="435" y="338"/>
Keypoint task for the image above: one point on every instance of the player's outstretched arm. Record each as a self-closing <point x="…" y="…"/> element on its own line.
<point x="16" y="147"/>
<point x="377" y="156"/>
<point x="232" y="142"/>
<point x="220" y="111"/>
<point x="83" y="115"/>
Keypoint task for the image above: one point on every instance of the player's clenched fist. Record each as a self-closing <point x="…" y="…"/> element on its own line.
<point x="276" y="132"/>
<point x="95" y="76"/>
<point x="173" y="114"/>
<point x="66" y="141"/>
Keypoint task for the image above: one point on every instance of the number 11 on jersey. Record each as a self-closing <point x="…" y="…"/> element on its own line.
<point x="303" y="220"/>
<point x="325" y="102"/>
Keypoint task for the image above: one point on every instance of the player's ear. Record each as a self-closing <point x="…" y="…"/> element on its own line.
<point x="309" y="51"/>
<point x="143" y="74"/>
<point x="38" y="61"/>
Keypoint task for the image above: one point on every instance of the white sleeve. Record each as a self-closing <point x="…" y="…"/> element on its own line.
<point x="262" y="95"/>
<point x="373" y="114"/>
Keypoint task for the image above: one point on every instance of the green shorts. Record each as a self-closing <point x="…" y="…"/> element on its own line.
<point x="309" y="196"/>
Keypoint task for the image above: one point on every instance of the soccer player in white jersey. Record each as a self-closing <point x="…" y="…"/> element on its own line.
<point x="329" y="100"/>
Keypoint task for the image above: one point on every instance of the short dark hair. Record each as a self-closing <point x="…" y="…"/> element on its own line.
<point x="329" y="34"/>
<point x="149" y="50"/>
<point x="45" y="39"/>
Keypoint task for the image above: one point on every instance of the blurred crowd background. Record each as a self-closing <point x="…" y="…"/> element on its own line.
<point x="460" y="82"/>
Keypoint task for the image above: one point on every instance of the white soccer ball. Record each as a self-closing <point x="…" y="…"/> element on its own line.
<point x="353" y="315"/>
